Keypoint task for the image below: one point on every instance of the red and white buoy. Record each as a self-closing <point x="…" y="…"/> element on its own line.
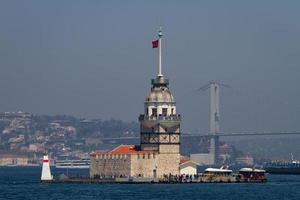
<point x="46" y="173"/>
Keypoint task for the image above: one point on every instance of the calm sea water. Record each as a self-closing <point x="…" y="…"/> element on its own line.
<point x="23" y="183"/>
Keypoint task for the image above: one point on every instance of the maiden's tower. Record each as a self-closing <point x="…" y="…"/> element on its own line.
<point x="159" y="151"/>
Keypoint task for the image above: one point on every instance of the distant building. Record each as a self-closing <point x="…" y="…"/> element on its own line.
<point x="203" y="158"/>
<point x="12" y="115"/>
<point x="54" y="125"/>
<point x="93" y="141"/>
<point x="245" y="160"/>
<point x="225" y="157"/>
<point x="36" y="147"/>
<point x="188" y="167"/>
<point x="13" y="160"/>
<point x="225" y="151"/>
<point x="19" y="138"/>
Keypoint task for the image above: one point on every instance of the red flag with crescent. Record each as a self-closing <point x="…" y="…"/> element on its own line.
<point x="155" y="44"/>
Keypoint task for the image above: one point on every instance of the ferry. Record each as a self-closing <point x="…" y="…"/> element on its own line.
<point x="226" y="175"/>
<point x="277" y="167"/>
<point x="252" y="175"/>
<point x="73" y="164"/>
<point x="218" y="175"/>
<point x="283" y="167"/>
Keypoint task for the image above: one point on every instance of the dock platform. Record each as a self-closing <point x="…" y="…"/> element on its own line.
<point x="140" y="180"/>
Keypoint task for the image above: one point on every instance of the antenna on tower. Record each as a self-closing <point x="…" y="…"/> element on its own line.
<point x="159" y="52"/>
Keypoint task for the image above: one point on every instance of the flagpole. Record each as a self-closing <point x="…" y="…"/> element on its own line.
<point x="159" y="52"/>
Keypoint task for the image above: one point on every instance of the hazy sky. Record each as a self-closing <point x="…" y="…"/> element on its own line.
<point x="94" y="59"/>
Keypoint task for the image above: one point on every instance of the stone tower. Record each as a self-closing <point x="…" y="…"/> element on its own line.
<point x="159" y="151"/>
<point x="160" y="125"/>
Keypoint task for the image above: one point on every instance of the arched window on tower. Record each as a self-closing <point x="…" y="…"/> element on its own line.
<point x="164" y="112"/>
<point x="147" y="111"/>
<point x="154" y="112"/>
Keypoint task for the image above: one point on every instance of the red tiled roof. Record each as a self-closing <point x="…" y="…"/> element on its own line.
<point x="183" y="161"/>
<point x="124" y="149"/>
<point x="186" y="161"/>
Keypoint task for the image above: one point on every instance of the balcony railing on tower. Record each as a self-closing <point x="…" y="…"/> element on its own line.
<point x="160" y="117"/>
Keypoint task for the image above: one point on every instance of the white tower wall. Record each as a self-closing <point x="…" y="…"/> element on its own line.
<point x="46" y="173"/>
<point x="160" y="107"/>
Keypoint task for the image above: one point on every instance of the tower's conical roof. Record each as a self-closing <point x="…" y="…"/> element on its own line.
<point x="160" y="91"/>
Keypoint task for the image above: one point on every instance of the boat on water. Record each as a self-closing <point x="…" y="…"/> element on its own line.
<point x="73" y="164"/>
<point x="279" y="167"/>
<point x="252" y="175"/>
<point x="227" y="175"/>
<point x="283" y="167"/>
<point x="218" y="175"/>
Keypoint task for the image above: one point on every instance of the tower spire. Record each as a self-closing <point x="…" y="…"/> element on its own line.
<point x="159" y="52"/>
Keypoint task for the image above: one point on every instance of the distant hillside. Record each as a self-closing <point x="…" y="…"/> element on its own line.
<point x="24" y="133"/>
<point x="84" y="127"/>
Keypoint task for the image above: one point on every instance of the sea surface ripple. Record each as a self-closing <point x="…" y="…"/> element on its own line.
<point x="23" y="183"/>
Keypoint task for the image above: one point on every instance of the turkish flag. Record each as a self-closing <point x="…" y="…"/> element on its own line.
<point x="155" y="44"/>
